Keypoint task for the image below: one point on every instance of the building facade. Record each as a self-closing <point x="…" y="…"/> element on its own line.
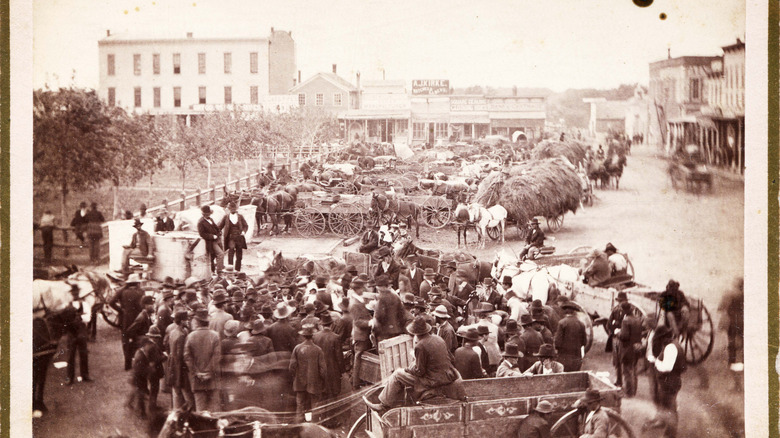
<point x="326" y="91"/>
<point x="185" y="75"/>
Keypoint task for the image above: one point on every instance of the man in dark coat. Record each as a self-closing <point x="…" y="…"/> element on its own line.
<point x="534" y="240"/>
<point x="142" y="245"/>
<point x="597" y="271"/>
<point x="143" y="321"/>
<point x="283" y="335"/>
<point x="343" y="326"/>
<point x="77" y="343"/>
<point x="370" y="240"/>
<point x="165" y="310"/>
<point x="308" y="369"/>
<point x="79" y="221"/>
<point x="209" y="232"/>
<point x="630" y="340"/>
<point x="536" y="424"/>
<point x="330" y="343"/>
<point x="234" y="228"/>
<point x="570" y="339"/>
<point x="733" y="307"/>
<point x="259" y="343"/>
<point x="127" y="301"/>
<point x="94" y="228"/>
<point x="531" y="339"/>
<point x="387" y="266"/>
<point x="467" y="359"/>
<point x="415" y="274"/>
<point x="203" y="354"/>
<point x="164" y="222"/>
<point x="667" y="360"/>
<point x="444" y="329"/>
<point x="388" y="313"/>
<point x="361" y="330"/>
<point x="429" y="279"/>
<point x="433" y="367"/>
<point x="178" y="375"/>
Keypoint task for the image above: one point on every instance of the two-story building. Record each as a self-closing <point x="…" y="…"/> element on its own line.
<point x="190" y="74"/>
<point x="327" y="91"/>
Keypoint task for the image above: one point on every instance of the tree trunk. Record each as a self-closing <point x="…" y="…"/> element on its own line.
<point x="151" y="183"/>
<point x="184" y="174"/>
<point x="63" y="204"/>
<point x="115" y="193"/>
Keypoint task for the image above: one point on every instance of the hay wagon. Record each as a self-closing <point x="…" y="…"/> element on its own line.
<point x="344" y="215"/>
<point x="495" y="408"/>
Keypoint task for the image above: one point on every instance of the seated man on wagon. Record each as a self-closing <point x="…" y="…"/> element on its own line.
<point x="597" y="270"/>
<point x="534" y="242"/>
<point x="675" y="307"/>
<point x="370" y="240"/>
<point x="617" y="262"/>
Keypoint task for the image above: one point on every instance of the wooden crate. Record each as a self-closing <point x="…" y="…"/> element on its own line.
<point x="369" y="368"/>
<point x="361" y="261"/>
<point x="397" y="352"/>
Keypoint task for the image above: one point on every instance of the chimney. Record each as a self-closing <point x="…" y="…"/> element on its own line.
<point x="189" y="34"/>
<point x="334" y="69"/>
<point x="668" y="53"/>
<point x="108" y="32"/>
<point x="299" y="76"/>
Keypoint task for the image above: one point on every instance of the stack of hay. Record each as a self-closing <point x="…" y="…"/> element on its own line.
<point x="573" y="150"/>
<point x="546" y="188"/>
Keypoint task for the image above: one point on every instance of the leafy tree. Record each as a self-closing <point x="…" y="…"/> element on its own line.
<point x="73" y="144"/>
<point x="182" y="145"/>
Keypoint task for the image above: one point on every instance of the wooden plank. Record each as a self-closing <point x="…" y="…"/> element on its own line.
<point x="429" y="415"/>
<point x="483" y="410"/>
<point x="526" y="386"/>
<point x="505" y="427"/>
<point x="389" y="354"/>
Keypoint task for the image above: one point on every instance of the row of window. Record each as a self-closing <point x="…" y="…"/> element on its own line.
<point x="319" y="99"/>
<point x="156" y="92"/>
<point x="176" y="63"/>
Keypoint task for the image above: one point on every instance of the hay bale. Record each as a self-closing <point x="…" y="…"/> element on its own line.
<point x="573" y="150"/>
<point x="545" y="188"/>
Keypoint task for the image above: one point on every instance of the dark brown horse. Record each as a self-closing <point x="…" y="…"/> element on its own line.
<point x="279" y="203"/>
<point x="383" y="206"/>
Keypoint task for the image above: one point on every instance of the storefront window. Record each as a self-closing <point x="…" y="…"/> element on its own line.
<point x="420" y="131"/>
<point x="441" y="130"/>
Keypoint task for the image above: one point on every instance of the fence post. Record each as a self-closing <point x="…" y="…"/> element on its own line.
<point x="182" y="205"/>
<point x="197" y="197"/>
<point x="213" y="194"/>
<point x="65" y="238"/>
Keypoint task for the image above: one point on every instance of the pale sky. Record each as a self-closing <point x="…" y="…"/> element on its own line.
<point x="557" y="44"/>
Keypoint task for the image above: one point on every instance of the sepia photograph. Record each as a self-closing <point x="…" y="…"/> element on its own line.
<point x="393" y="219"/>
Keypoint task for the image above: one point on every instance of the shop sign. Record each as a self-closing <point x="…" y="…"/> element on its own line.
<point x="430" y="86"/>
<point x="468" y="104"/>
<point x="515" y="105"/>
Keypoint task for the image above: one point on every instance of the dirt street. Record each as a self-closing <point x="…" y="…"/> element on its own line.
<point x="697" y="240"/>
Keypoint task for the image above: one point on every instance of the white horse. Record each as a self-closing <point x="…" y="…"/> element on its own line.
<point x="485" y="218"/>
<point x="532" y="281"/>
<point x="187" y="220"/>
<point x="84" y="288"/>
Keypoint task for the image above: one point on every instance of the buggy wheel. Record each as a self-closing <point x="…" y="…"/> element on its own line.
<point x="346" y="187"/>
<point x="698" y="339"/>
<point x="436" y="212"/>
<point x="346" y="222"/>
<point x="494" y="232"/>
<point x="310" y="222"/>
<point x="554" y="224"/>
<point x="359" y="428"/>
<point x="569" y="424"/>
<point x="110" y="315"/>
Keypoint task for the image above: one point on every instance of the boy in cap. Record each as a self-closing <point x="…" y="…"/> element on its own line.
<point x="202" y="354"/>
<point x="546" y="363"/>
<point x="307" y="366"/>
<point x="467" y="357"/>
<point x="510" y="366"/>
<point x="537" y="423"/>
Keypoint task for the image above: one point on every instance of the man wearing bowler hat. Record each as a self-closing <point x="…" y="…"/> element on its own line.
<point x="429" y="279"/>
<point x="387" y="266"/>
<point x="571" y="338"/>
<point x="202" y="354"/>
<point x="546" y="363"/>
<point x="142" y="245"/>
<point x="596" y="421"/>
<point x="308" y="370"/>
<point x="510" y="366"/>
<point x="209" y="231"/>
<point x="127" y="301"/>
<point x="536" y="424"/>
<point x="534" y="242"/>
<point x="614" y="322"/>
<point x="467" y="357"/>
<point x="433" y="367"/>
<point x="235" y="227"/>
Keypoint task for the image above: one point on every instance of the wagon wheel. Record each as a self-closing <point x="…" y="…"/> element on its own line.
<point x="568" y="425"/>
<point x="359" y="428"/>
<point x="310" y="222"/>
<point x="494" y="232"/>
<point x="554" y="224"/>
<point x="110" y="316"/>
<point x="347" y="187"/>
<point x="347" y="221"/>
<point x="698" y="339"/>
<point x="436" y="212"/>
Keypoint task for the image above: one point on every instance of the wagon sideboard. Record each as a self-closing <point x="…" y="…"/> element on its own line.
<point x="495" y="407"/>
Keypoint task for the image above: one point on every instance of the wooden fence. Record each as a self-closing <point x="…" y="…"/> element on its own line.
<point x="65" y="245"/>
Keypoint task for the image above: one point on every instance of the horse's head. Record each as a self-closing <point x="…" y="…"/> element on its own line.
<point x="462" y="213"/>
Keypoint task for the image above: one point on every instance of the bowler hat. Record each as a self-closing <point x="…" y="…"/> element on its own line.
<point x="544" y="407"/>
<point x="205" y="209"/>
<point x="526" y="320"/>
<point x="488" y="280"/>
<point x="408" y="298"/>
<point x="511" y="326"/>
<point x="229" y="270"/>
<point x="511" y="350"/>
<point x="258" y="327"/>
<point x="610" y="247"/>
<point x="470" y="334"/>
<point x="546" y="350"/>
<point x="534" y="221"/>
<point x="326" y="319"/>
<point x="420" y="303"/>
<point x="137" y="223"/>
<point x="232" y="328"/>
<point x="536" y="304"/>
<point x="434" y="292"/>
<point x="383" y="281"/>
<point x="484" y="308"/>
<point x="220" y="297"/>
<point x="591" y="395"/>
<point x="321" y="279"/>
<point x="202" y="314"/>
<point x="319" y="307"/>
<point x="282" y="311"/>
<point x="309" y="309"/>
<point x="146" y="299"/>
<point x="441" y="312"/>
<point x="418" y="326"/>
<point x="621" y="296"/>
<point x="168" y="283"/>
<point x="429" y="272"/>
<point x="483" y="330"/>
<point x="133" y="278"/>
<point x="154" y="332"/>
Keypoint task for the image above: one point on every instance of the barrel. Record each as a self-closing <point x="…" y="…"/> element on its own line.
<point x="170" y="261"/>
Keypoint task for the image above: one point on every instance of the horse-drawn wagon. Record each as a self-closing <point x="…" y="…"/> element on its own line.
<point x="495" y="408"/>
<point x="345" y="215"/>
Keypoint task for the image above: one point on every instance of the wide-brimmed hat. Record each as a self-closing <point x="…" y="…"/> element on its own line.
<point x="546" y="350"/>
<point x="610" y="247"/>
<point x="408" y="298"/>
<point x="441" y="312"/>
<point x="434" y="292"/>
<point x="258" y="327"/>
<point x="429" y="272"/>
<point x="309" y="309"/>
<point x="326" y="319"/>
<point x="153" y="332"/>
<point x="190" y="281"/>
<point x="267" y="309"/>
<point x="418" y="326"/>
<point x="220" y="297"/>
<point x="526" y="320"/>
<point x="484" y="308"/>
<point x="483" y="330"/>
<point x="147" y="300"/>
<point x="621" y="296"/>
<point x="133" y="278"/>
<point x="167" y="294"/>
<point x="533" y="221"/>
<point x="205" y="209"/>
<point x="282" y="311"/>
<point x="662" y="332"/>
<point x="344" y="304"/>
<point x="544" y="407"/>
<point x="537" y="304"/>
<point x="319" y="307"/>
<point x="201" y="314"/>
<point x="137" y="223"/>
<point x="470" y="334"/>
<point x="383" y="252"/>
<point x="420" y="303"/>
<point x="511" y="350"/>
<point x="570" y="305"/>
<point x="307" y="330"/>
<point x="232" y="327"/>
<point x="511" y="326"/>
<point x="591" y="395"/>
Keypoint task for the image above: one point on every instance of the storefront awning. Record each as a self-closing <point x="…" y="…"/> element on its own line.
<point x="705" y="122"/>
<point x="431" y="117"/>
<point x="375" y="115"/>
<point x="469" y="118"/>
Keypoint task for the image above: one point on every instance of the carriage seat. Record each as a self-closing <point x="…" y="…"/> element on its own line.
<point x="446" y="394"/>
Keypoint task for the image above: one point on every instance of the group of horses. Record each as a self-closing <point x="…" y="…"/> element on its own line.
<point x="607" y="171"/>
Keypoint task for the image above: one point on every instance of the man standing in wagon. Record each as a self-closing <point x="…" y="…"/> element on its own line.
<point x="234" y="228"/>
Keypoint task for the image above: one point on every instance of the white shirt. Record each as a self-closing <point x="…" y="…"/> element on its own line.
<point x="617" y="262"/>
<point x="233" y="218"/>
<point x="666" y="364"/>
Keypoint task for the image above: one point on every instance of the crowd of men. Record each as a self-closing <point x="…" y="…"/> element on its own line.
<point x="185" y="334"/>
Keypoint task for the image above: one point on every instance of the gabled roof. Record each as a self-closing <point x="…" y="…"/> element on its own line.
<point x="330" y="77"/>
